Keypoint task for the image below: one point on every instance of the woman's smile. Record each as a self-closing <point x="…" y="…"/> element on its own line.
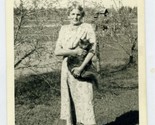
<point x="75" y="17"/>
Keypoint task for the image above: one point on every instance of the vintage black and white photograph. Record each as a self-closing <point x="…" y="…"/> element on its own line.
<point x="76" y="62"/>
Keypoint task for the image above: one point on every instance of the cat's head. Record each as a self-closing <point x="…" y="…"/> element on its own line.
<point x="84" y="44"/>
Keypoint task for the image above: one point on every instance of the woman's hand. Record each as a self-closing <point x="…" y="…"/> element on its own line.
<point x="80" y="52"/>
<point x="76" y="72"/>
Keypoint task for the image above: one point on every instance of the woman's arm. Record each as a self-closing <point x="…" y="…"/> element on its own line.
<point x="65" y="52"/>
<point x="92" y="39"/>
<point x="59" y="51"/>
<point x="77" y="70"/>
<point x="86" y="60"/>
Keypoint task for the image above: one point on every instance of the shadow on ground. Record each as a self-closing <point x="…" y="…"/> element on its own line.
<point x="38" y="88"/>
<point x="129" y="118"/>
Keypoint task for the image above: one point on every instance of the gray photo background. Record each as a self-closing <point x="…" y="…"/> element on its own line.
<point x="37" y="70"/>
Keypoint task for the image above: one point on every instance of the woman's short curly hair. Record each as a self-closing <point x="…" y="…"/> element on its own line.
<point x="75" y="5"/>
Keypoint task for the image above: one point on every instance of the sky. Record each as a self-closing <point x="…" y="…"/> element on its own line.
<point x="64" y="3"/>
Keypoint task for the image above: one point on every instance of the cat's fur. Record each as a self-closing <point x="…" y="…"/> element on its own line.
<point x="89" y="72"/>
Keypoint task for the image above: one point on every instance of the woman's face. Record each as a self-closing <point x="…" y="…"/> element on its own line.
<point x="75" y="17"/>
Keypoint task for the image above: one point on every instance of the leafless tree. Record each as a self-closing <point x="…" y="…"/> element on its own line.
<point x="112" y="26"/>
<point x="30" y="36"/>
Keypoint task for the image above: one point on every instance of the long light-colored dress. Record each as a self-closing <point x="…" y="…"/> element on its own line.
<point x="81" y="92"/>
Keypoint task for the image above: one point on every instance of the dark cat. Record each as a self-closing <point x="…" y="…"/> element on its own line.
<point x="89" y="72"/>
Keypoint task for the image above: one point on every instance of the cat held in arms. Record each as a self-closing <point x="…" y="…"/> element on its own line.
<point x="89" y="73"/>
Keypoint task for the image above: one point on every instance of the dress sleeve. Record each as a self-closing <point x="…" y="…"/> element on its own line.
<point x="92" y="38"/>
<point x="60" y="39"/>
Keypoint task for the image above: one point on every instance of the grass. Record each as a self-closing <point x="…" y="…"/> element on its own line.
<point x="38" y="102"/>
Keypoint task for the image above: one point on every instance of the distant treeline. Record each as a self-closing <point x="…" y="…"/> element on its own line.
<point x="61" y="13"/>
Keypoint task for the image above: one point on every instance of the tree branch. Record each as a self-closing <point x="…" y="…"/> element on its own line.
<point x="26" y="55"/>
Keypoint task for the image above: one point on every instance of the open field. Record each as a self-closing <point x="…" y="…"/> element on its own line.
<point x="116" y="101"/>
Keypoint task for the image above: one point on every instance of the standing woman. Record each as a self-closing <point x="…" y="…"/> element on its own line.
<point x="75" y="94"/>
